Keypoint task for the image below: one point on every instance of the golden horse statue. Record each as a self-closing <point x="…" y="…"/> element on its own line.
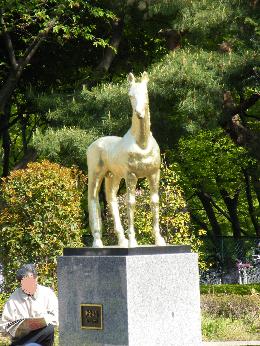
<point x="134" y="156"/>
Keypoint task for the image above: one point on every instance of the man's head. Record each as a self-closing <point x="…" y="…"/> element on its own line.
<point x="27" y="276"/>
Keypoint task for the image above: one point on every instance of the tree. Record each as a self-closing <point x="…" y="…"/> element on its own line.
<point x="28" y="25"/>
<point x="41" y="214"/>
<point x="212" y="169"/>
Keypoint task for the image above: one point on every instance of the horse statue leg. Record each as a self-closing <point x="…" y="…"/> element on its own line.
<point x="112" y="185"/>
<point x="154" y="188"/>
<point x="94" y="183"/>
<point x="131" y="181"/>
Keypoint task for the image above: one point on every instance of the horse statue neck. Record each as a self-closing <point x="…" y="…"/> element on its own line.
<point x="140" y="128"/>
<point x="138" y="94"/>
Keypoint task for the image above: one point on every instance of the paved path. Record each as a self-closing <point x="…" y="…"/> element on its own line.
<point x="231" y="343"/>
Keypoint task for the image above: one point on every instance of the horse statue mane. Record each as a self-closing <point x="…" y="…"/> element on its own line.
<point x="133" y="156"/>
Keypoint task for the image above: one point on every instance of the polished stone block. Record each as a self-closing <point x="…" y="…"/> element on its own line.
<point x="148" y="299"/>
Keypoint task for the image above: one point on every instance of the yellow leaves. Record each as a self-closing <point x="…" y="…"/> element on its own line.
<point x="42" y="215"/>
<point x="202" y="232"/>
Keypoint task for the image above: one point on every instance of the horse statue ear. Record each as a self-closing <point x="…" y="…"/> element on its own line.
<point x="131" y="78"/>
<point x="145" y="77"/>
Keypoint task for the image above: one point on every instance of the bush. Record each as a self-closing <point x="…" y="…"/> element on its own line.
<point x="41" y="214"/>
<point x="230" y="289"/>
<point x="3" y="299"/>
<point x="230" y="316"/>
<point x="231" y="306"/>
<point x="223" y="329"/>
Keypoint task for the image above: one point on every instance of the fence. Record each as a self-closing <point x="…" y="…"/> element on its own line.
<point x="234" y="260"/>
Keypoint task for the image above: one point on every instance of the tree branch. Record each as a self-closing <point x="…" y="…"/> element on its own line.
<point x="222" y="212"/>
<point x="110" y="52"/>
<point x="218" y="207"/>
<point x="9" y="44"/>
<point x="199" y="222"/>
<point x="32" y="48"/>
<point x="251" y="209"/>
<point x="14" y="76"/>
<point x="10" y="124"/>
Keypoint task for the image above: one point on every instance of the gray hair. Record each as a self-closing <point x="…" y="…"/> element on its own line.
<point x="25" y="270"/>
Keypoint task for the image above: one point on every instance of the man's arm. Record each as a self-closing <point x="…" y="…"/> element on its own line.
<point x="52" y="309"/>
<point x="8" y="318"/>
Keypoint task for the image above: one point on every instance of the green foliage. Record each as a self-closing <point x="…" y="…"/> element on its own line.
<point x="230" y="316"/>
<point x="211" y="162"/>
<point x="231" y="305"/>
<point x="40" y="216"/>
<point x="211" y="156"/>
<point x="235" y="289"/>
<point x="40" y="62"/>
<point x="207" y="23"/>
<point x="185" y="91"/>
<point x="67" y="15"/>
<point x="4" y="341"/>
<point x="228" y="329"/>
<point x="66" y="146"/>
<point x="3" y="299"/>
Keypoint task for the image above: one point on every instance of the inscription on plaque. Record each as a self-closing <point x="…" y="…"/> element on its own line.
<point x="91" y="316"/>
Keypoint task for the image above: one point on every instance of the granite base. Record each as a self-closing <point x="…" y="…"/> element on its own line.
<point x="148" y="299"/>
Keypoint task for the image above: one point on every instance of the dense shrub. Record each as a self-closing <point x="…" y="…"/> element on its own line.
<point x="224" y="329"/>
<point x="230" y="289"/>
<point x="41" y="214"/>
<point x="228" y="316"/>
<point x="3" y="299"/>
<point x="231" y="306"/>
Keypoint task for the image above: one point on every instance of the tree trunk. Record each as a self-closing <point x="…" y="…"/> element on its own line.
<point x="235" y="124"/>
<point x="9" y="86"/>
<point x="29" y="156"/>
<point x="110" y="52"/>
<point x="251" y="209"/>
<point x="256" y="185"/>
<point x="205" y="200"/>
<point x="7" y="90"/>
<point x="6" y="143"/>
<point x="23" y="121"/>
<point x="5" y="97"/>
<point x="172" y="37"/>
<point x="231" y="204"/>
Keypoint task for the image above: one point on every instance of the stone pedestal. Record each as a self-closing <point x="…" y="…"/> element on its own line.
<point x="149" y="296"/>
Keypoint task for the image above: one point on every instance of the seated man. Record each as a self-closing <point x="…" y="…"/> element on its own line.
<point x="31" y="300"/>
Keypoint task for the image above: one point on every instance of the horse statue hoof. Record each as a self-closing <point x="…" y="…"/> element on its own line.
<point x="97" y="243"/>
<point x="159" y="241"/>
<point x="132" y="242"/>
<point x="123" y="243"/>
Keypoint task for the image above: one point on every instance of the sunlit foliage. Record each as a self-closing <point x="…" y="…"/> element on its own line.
<point x="41" y="215"/>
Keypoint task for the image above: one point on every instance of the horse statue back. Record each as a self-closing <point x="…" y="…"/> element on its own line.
<point x="133" y="156"/>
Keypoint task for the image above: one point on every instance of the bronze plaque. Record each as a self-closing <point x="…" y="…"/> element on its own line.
<point x="91" y="316"/>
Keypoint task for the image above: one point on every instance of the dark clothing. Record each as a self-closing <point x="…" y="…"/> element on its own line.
<point x="43" y="337"/>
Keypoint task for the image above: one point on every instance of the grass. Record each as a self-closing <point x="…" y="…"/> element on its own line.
<point x="213" y="329"/>
<point x="4" y="341"/>
<point x="230" y="289"/>
<point x="227" y="329"/>
<point x="228" y="317"/>
<point x="225" y="316"/>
